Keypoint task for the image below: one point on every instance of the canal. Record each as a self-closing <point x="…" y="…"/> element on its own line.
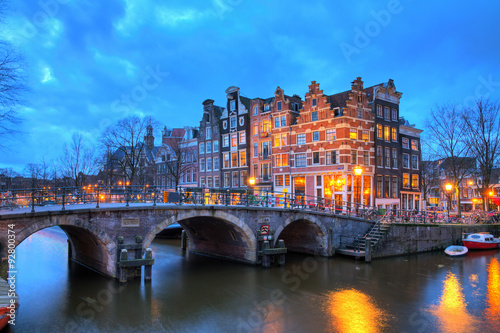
<point x="428" y="292"/>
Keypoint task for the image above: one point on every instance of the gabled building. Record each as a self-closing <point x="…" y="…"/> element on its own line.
<point x="411" y="157"/>
<point x="384" y="100"/>
<point x="209" y="146"/>
<point x="234" y="131"/>
<point x="332" y="136"/>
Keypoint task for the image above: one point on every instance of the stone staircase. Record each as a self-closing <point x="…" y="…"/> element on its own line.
<point x="376" y="233"/>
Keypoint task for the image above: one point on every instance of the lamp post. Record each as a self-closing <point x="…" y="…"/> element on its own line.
<point x="358" y="171"/>
<point x="448" y="188"/>
<point x="251" y="183"/>
<point x="490" y="194"/>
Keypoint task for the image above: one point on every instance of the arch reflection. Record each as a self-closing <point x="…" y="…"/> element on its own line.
<point x="352" y="311"/>
<point x="451" y="311"/>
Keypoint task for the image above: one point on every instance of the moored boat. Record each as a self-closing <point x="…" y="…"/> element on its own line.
<point x="9" y="302"/>
<point x="480" y="241"/>
<point x="456" y="250"/>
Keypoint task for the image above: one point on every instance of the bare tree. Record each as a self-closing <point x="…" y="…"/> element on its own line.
<point x="12" y="86"/>
<point x="78" y="160"/>
<point x="126" y="140"/>
<point x="32" y="171"/>
<point x="482" y="124"/>
<point x="6" y="177"/>
<point x="177" y="162"/>
<point x="447" y="141"/>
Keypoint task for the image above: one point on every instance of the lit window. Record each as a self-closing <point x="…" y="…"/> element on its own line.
<point x="234" y="159"/>
<point x="256" y="129"/>
<point x="234" y="140"/>
<point x="354" y="134"/>
<point x="414" y="181"/>
<point x="394" y="134"/>
<point x="278" y="180"/>
<point x="243" y="158"/>
<point x="242" y="138"/>
<point x="414" y="145"/>
<point x="226" y="160"/>
<point x="406" y="180"/>
<point x="387" y="133"/>
<point x="277" y="140"/>
<point x="366" y="136"/>
<point x="379" y="131"/>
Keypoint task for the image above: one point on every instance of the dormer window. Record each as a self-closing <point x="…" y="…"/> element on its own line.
<point x="232" y="105"/>
<point x="314" y="102"/>
<point x="278" y="106"/>
<point x="266" y="107"/>
<point x="255" y="110"/>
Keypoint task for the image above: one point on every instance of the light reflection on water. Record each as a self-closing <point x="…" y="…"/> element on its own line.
<point x="425" y="293"/>
<point x="352" y="311"/>
<point x="452" y="309"/>
<point x="493" y="310"/>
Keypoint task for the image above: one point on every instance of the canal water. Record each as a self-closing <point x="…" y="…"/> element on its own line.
<point x="428" y="292"/>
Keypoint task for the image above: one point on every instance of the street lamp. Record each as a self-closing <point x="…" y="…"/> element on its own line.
<point x="358" y="171"/>
<point x="448" y="188"/>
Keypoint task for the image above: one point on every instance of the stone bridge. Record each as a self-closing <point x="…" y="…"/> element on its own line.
<point x="97" y="235"/>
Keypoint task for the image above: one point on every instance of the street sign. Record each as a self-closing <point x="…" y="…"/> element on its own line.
<point x="264" y="229"/>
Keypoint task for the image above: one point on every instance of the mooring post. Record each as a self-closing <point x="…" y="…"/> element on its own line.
<point x="148" y="268"/>
<point x="281" y="259"/>
<point x="138" y="255"/>
<point x="123" y="270"/>
<point x="183" y="240"/>
<point x="368" y="250"/>
<point x="266" y="259"/>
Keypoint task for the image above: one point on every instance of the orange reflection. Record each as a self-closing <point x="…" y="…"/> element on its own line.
<point x="352" y="311"/>
<point x="452" y="308"/>
<point x="493" y="310"/>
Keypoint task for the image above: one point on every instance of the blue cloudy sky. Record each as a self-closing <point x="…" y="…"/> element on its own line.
<point x="93" y="62"/>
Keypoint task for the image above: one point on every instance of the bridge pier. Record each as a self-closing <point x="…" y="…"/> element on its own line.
<point x="132" y="267"/>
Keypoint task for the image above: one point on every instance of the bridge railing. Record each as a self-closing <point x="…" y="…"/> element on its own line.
<point x="437" y="217"/>
<point x="129" y="194"/>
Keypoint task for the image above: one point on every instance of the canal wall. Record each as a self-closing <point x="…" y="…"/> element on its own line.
<point x="415" y="238"/>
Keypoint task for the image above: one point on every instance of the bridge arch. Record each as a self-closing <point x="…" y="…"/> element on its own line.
<point x="213" y="232"/>
<point x="304" y="233"/>
<point x="88" y="244"/>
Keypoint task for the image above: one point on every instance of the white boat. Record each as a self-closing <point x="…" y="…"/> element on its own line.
<point x="456" y="250"/>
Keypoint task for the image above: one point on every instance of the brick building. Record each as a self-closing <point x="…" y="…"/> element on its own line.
<point x="333" y="134"/>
